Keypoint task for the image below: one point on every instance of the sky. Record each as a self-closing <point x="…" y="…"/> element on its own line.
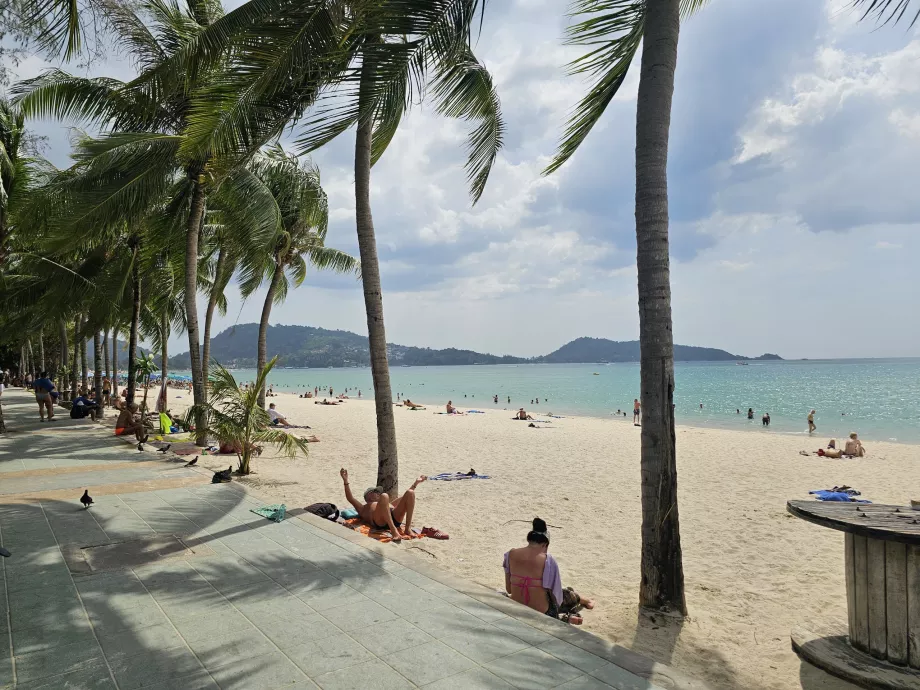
<point x="795" y="137"/>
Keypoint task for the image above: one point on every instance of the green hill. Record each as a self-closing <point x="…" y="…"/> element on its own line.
<point x="306" y="346"/>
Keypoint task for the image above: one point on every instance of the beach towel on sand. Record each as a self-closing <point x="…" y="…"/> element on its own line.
<point x="825" y="495"/>
<point x="381" y="535"/>
<point x="273" y="512"/>
<point x="455" y="476"/>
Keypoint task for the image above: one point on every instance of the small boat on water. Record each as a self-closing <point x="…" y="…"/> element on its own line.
<point x="741" y="364"/>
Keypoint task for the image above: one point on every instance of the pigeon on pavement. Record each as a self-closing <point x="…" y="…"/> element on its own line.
<point x="193" y="461"/>
<point x="86" y="499"/>
<point x="165" y="448"/>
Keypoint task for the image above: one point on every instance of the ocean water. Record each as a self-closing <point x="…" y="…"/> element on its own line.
<point x="878" y="398"/>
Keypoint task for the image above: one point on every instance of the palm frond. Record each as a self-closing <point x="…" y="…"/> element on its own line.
<point x="886" y="11"/>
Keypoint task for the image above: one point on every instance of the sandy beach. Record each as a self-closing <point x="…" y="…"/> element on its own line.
<point x="752" y="571"/>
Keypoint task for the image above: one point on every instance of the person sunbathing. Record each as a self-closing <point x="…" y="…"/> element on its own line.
<point x="382" y="513"/>
<point x="532" y="578"/>
<point x="451" y="409"/>
<point x="523" y="415"/>
<point x="410" y="404"/>
<point x="854" y="447"/>
<point x="326" y="402"/>
<point x="128" y="423"/>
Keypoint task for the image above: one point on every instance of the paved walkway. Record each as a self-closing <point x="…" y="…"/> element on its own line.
<point x="170" y="582"/>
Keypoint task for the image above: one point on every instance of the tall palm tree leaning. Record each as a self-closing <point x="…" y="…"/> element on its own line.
<point x="614" y="30"/>
<point x="303" y="214"/>
<point x="385" y="52"/>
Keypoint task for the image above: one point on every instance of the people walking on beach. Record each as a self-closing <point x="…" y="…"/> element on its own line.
<point x="42" y="388"/>
<point x="750" y="413"/>
<point x="811" y="422"/>
<point x="637" y="410"/>
<point x="532" y="578"/>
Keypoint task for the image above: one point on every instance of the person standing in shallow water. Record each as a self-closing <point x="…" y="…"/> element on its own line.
<point x="750" y="413"/>
<point x="811" y="422"/>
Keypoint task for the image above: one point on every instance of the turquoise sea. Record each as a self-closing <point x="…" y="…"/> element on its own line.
<point x="878" y="398"/>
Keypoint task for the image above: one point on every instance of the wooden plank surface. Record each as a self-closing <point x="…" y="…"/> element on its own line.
<point x="891" y="523"/>
<point x="913" y="606"/>
<point x="878" y="620"/>
<point x="850" y="571"/>
<point x="860" y="637"/>
<point x="896" y="601"/>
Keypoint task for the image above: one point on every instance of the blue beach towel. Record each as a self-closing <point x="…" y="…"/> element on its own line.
<point x="456" y="476"/>
<point x="842" y="496"/>
<point x="273" y="512"/>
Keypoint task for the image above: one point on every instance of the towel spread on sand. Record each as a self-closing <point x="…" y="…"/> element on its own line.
<point x="825" y="495"/>
<point x="381" y="535"/>
<point x="273" y="512"/>
<point x="456" y="476"/>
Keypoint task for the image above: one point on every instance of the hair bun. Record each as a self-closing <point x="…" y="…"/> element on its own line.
<point x="539" y="526"/>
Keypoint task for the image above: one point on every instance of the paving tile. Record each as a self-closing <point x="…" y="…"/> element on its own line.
<point x="371" y="675"/>
<point x="293" y="633"/>
<point x="621" y="679"/>
<point x="28" y="640"/>
<point x="57" y="660"/>
<point x="443" y="620"/>
<point x="391" y="636"/>
<point x="533" y="669"/>
<point x="429" y="662"/>
<point x="193" y="630"/>
<point x="154" y="666"/>
<point x="576" y="656"/>
<point x="327" y="598"/>
<point x="220" y="649"/>
<point x="108" y="621"/>
<point x="6" y="671"/>
<point x="327" y="653"/>
<point x="584" y="683"/>
<point x="484" y="644"/>
<point x="474" y="679"/>
<point x="200" y="680"/>
<point x="267" y="671"/>
<point x="519" y="629"/>
<point x="128" y="643"/>
<point x="356" y="616"/>
<point x="93" y="677"/>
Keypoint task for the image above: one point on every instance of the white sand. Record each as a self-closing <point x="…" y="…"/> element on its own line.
<point x="752" y="571"/>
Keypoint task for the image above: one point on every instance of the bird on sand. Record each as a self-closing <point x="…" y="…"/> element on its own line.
<point x="192" y="463"/>
<point x="86" y="499"/>
<point x="222" y="476"/>
<point x="165" y="448"/>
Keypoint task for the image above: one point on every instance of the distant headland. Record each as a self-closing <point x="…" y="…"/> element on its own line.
<point x="306" y="346"/>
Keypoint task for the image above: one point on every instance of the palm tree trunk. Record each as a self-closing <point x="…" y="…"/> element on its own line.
<point x="191" y="307"/>
<point x="135" y="324"/>
<point x="31" y="356"/>
<point x="75" y="369"/>
<point x="164" y="360"/>
<point x="105" y="352"/>
<point x="262" y="354"/>
<point x="662" y="584"/>
<point x="114" y="362"/>
<point x="41" y="351"/>
<point x="84" y="368"/>
<point x="97" y="370"/>
<point x="387" y="461"/>
<point x="65" y="352"/>
<point x="217" y="288"/>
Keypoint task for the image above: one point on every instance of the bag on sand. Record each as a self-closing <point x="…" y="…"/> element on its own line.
<point x="324" y="510"/>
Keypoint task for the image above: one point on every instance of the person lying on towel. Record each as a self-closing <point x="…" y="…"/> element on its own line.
<point x="532" y="578"/>
<point x="382" y="513"/>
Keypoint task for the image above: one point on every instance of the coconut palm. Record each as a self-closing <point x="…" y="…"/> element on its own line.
<point x="349" y="64"/>
<point x="613" y="30"/>
<point x="300" y="238"/>
<point x="238" y="420"/>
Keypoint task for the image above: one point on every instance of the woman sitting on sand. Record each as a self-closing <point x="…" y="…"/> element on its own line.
<point x="854" y="447"/>
<point x="532" y="578"/>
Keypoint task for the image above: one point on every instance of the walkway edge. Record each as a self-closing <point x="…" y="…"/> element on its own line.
<point x="644" y="667"/>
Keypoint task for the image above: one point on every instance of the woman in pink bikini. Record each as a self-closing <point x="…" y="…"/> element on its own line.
<point x="532" y="578"/>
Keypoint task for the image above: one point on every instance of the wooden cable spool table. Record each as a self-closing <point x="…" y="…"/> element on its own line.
<point x="880" y="645"/>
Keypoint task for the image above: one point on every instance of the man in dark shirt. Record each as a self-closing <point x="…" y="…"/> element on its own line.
<point x="43" y="387"/>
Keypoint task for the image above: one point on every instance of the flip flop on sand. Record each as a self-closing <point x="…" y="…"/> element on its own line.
<point x="434" y="533"/>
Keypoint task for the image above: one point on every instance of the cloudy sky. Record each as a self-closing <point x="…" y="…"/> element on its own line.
<point x="794" y="145"/>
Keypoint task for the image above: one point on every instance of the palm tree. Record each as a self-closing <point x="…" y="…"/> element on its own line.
<point x="237" y="418"/>
<point x="14" y="171"/>
<point x="381" y="55"/>
<point x="303" y="220"/>
<point x="613" y="30"/>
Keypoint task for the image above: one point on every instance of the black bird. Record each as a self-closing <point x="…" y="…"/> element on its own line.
<point x="5" y="552"/>
<point x="194" y="460"/>
<point x="86" y="499"/>
<point x="140" y="446"/>
<point x="222" y="476"/>
<point x="165" y="448"/>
